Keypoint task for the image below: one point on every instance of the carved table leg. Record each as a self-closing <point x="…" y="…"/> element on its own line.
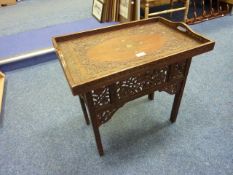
<point x="95" y="126"/>
<point x="179" y="94"/>
<point x="84" y="110"/>
<point x="151" y="96"/>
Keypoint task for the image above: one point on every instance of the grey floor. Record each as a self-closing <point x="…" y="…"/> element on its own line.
<point x="42" y="130"/>
<point x="34" y="14"/>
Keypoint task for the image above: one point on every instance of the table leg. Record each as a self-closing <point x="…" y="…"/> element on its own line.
<point x="151" y="96"/>
<point x="98" y="139"/>
<point x="179" y="94"/>
<point x="84" y="110"/>
<point x="95" y="126"/>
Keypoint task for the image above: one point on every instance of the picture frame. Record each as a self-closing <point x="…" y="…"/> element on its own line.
<point x="97" y="10"/>
<point x="127" y="10"/>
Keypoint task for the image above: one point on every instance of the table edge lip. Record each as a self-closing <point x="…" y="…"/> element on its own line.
<point x="87" y="86"/>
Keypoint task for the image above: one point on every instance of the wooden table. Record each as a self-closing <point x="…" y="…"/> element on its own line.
<point x="111" y="66"/>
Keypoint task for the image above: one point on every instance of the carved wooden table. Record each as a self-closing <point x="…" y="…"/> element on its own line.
<point x="111" y="66"/>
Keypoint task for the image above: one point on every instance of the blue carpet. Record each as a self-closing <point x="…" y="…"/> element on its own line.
<point x="43" y="130"/>
<point x="34" y="40"/>
<point x="33" y="14"/>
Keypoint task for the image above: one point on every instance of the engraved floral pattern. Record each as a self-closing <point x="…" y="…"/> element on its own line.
<point x="87" y="69"/>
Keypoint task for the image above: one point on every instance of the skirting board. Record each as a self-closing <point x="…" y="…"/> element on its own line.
<point x="27" y="56"/>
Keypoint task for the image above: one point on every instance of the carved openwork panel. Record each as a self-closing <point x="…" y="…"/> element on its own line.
<point x="142" y="81"/>
<point x="101" y="96"/>
<point x="177" y="70"/>
<point x="103" y="116"/>
<point x="171" y="88"/>
<point x="160" y="79"/>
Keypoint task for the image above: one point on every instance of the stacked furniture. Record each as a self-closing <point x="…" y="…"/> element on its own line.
<point x="147" y="4"/>
<point x="229" y="2"/>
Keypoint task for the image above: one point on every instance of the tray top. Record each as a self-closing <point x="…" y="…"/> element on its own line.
<point x="92" y="55"/>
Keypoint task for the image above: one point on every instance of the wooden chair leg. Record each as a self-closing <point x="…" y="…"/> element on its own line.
<point x="146" y="10"/>
<point x="84" y="110"/>
<point x="186" y="10"/>
<point x="179" y="94"/>
<point x="171" y="7"/>
<point x="151" y="96"/>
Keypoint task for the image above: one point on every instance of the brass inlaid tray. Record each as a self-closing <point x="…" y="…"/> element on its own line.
<point x="99" y="56"/>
